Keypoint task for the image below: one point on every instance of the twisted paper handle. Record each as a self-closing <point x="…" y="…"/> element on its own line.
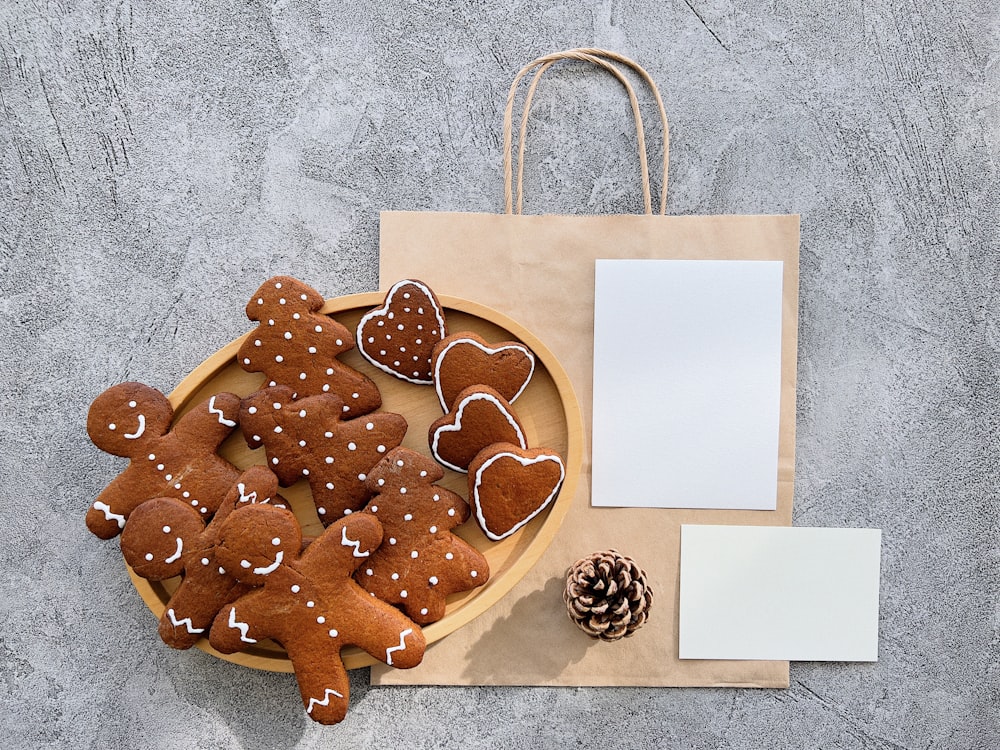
<point x="603" y="59"/>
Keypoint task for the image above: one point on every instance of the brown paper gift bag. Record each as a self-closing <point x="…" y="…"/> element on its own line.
<point x="540" y="270"/>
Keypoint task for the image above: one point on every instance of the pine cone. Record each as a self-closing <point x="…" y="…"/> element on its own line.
<point x="607" y="596"/>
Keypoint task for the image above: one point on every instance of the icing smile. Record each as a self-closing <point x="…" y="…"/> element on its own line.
<point x="272" y="567"/>
<point x="138" y="430"/>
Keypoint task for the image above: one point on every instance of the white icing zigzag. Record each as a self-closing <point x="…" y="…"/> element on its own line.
<point x="400" y="647"/>
<point x="243" y="627"/>
<point x="245" y="498"/>
<point x="325" y="702"/>
<point x="108" y="515"/>
<point x="222" y="416"/>
<point x="185" y="621"/>
<point x="351" y="543"/>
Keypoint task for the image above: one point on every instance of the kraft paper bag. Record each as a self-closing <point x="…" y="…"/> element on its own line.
<point x="539" y="270"/>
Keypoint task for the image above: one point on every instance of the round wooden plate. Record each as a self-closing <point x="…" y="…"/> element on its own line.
<point x="548" y="409"/>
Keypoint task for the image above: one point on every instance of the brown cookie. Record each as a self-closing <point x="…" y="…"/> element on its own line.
<point x="309" y="602"/>
<point x="465" y="359"/>
<point x="132" y="420"/>
<point x="295" y="345"/>
<point x="420" y="562"/>
<point x="508" y="486"/>
<point x="165" y="537"/>
<point x="306" y="438"/>
<point x="479" y="417"/>
<point x="399" y="336"/>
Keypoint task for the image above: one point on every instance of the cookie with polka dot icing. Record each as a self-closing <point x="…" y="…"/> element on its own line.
<point x="420" y="562"/>
<point x="479" y="417"/>
<point x="509" y="486"/>
<point x="133" y="420"/>
<point x="309" y="602"/>
<point x="465" y="359"/>
<point x="308" y="438"/>
<point x="165" y="537"/>
<point x="399" y="337"/>
<point x="295" y="345"/>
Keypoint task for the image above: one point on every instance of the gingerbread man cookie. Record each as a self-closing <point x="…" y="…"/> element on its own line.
<point x="399" y="336"/>
<point x="465" y="359"/>
<point x="307" y="439"/>
<point x="132" y="420"/>
<point x="309" y="602"/>
<point x="295" y="345"/>
<point x="479" y="417"/>
<point x="420" y="561"/>
<point x="165" y="537"/>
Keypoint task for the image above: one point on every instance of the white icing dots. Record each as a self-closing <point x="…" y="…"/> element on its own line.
<point x="204" y="561"/>
<point x="414" y="554"/>
<point x="395" y="576"/>
<point x="245" y="563"/>
<point x="403" y="594"/>
<point x="252" y="410"/>
<point x="402" y="491"/>
<point x="433" y="580"/>
<point x="276" y="405"/>
<point x="112" y="427"/>
<point x="374" y="509"/>
<point x="449" y="556"/>
<point x="295" y="588"/>
<point x="276" y="541"/>
<point x="329" y="459"/>
<point x="451" y="511"/>
<point x="246" y="360"/>
<point x="423" y="610"/>
<point x="279" y="358"/>
<point x="310" y="604"/>
<point x="408" y="517"/>
<point x="149" y="556"/>
<point x="474" y="573"/>
<point x="352" y="446"/>
<point x="277" y="428"/>
<point x="433" y="529"/>
<point x="321" y="511"/>
<point x="334" y="633"/>
<point x="392" y="540"/>
<point x="166" y="529"/>
<point x="152" y="457"/>
<point x="381" y="449"/>
<point x="362" y="477"/>
<point x="329" y="485"/>
<point x="321" y="619"/>
<point x="369" y="572"/>
<point x="370" y="425"/>
<point x="288" y="335"/>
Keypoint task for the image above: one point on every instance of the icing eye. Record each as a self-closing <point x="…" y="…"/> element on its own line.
<point x="334" y="633"/>
<point x="132" y="404"/>
<point x="244" y="563"/>
<point x="166" y="529"/>
<point x="149" y="556"/>
<point x="112" y="427"/>
<point x="276" y="541"/>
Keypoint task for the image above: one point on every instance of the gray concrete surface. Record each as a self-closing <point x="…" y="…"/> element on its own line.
<point x="159" y="159"/>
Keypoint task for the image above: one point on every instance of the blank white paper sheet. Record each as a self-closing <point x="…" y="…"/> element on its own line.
<point x="782" y="593"/>
<point x="687" y="383"/>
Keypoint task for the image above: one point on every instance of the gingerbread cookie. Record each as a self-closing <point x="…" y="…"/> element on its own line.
<point x="307" y="439"/>
<point x="420" y="562"/>
<point x="309" y="602"/>
<point x="465" y="359"/>
<point x="479" y="417"/>
<point x="295" y="345"/>
<point x="132" y="420"/>
<point x="165" y="537"/>
<point x="508" y="486"/>
<point x="399" y="336"/>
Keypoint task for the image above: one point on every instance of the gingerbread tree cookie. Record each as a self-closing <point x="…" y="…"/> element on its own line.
<point x="132" y="420"/>
<point x="165" y="537"/>
<point x="295" y="345"/>
<point x="420" y="561"/>
<point x="309" y="603"/>
<point x="306" y="438"/>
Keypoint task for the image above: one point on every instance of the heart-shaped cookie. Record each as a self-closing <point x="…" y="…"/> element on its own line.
<point x="479" y="417"/>
<point x="508" y="486"/>
<point x="465" y="359"/>
<point x="399" y="336"/>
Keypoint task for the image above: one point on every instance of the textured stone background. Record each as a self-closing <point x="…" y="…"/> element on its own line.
<point x="159" y="159"/>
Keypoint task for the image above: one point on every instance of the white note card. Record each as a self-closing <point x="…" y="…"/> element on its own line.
<point x="783" y="593"/>
<point x="687" y="383"/>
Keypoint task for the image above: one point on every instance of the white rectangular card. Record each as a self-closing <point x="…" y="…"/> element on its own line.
<point x="687" y="383"/>
<point x="783" y="593"/>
